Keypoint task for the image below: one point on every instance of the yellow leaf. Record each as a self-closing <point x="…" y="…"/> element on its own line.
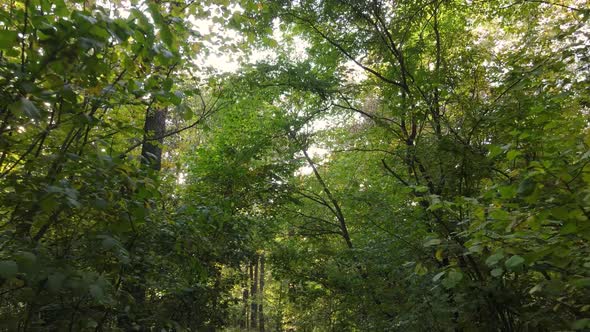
<point x="439" y="255"/>
<point x="95" y="90"/>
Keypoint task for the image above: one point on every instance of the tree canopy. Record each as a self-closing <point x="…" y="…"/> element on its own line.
<point x="294" y="165"/>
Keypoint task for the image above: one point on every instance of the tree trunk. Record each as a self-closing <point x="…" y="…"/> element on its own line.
<point x="254" y="293"/>
<point x="154" y="128"/>
<point x="244" y="318"/>
<point x="151" y="156"/>
<point x="261" y="301"/>
<point x="249" y="315"/>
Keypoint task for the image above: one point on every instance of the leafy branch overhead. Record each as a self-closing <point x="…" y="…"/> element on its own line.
<point x="309" y="165"/>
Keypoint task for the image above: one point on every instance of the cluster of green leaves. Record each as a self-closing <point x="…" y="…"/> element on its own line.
<point x="458" y="199"/>
<point x="92" y="239"/>
<point x="423" y="166"/>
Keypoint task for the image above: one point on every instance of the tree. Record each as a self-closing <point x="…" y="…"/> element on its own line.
<point x="76" y="82"/>
<point x="440" y="104"/>
<point x="384" y="166"/>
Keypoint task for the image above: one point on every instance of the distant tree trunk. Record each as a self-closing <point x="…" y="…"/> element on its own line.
<point x="279" y="316"/>
<point x="154" y="128"/>
<point x="254" y="292"/>
<point x="261" y="301"/>
<point x="249" y="316"/>
<point x="244" y="318"/>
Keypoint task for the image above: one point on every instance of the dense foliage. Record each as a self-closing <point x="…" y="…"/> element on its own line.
<point x="370" y="165"/>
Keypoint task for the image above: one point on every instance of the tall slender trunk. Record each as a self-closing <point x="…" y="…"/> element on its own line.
<point x="245" y="295"/>
<point x="261" y="298"/>
<point x="249" y="315"/>
<point x="254" y="293"/>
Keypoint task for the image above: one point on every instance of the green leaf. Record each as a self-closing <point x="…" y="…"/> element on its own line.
<point x="8" y="269"/>
<point x="185" y="111"/>
<point x="432" y="242"/>
<point x="26" y="108"/>
<point x="142" y="19"/>
<point x="109" y="243"/>
<point x="453" y="278"/>
<point x="26" y="261"/>
<point x="167" y="84"/>
<point x="526" y="187"/>
<point x="494" y="259"/>
<point x="507" y="191"/>
<point x="420" y="269"/>
<point x="55" y="282"/>
<point x="581" y="324"/>
<point x="420" y="189"/>
<point x="514" y="262"/>
<point x="497" y="272"/>
<point x="438" y="276"/>
<point x="569" y="227"/>
<point x="61" y="9"/>
<point x="96" y="292"/>
<point x="8" y="39"/>
<point x="536" y="288"/>
<point x="494" y="150"/>
<point x="512" y="154"/>
<point x="583" y="282"/>
<point x="166" y="36"/>
<point x="499" y="214"/>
